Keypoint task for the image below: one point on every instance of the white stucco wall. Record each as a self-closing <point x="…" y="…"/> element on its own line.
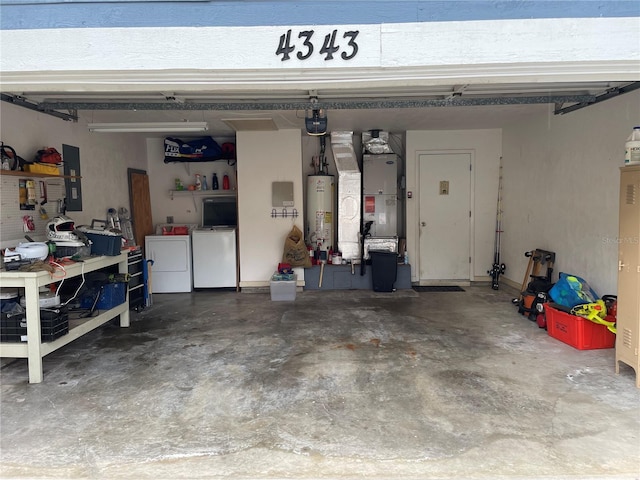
<point x="389" y="54"/>
<point x="103" y="166"/>
<point x="263" y="158"/>
<point x="561" y="186"/>
<point x="486" y="145"/>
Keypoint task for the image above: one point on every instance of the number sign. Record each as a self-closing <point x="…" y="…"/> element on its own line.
<point x="330" y="45"/>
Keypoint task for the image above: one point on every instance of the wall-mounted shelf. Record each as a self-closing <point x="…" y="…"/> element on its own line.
<point x="16" y="173"/>
<point x="202" y="193"/>
<point x="187" y="165"/>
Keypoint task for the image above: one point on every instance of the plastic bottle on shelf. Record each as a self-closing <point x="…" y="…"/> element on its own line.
<point x="632" y="148"/>
<point x="204" y="183"/>
<point x="198" y="182"/>
<point x="225" y="182"/>
<point x="214" y="182"/>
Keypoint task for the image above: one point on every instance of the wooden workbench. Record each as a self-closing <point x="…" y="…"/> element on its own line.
<point x="34" y="350"/>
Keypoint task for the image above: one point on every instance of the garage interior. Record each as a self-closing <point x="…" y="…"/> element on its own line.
<point x="521" y="127"/>
<point x="338" y="384"/>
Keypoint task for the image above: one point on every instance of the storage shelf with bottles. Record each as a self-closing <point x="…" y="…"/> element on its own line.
<point x="202" y="193"/>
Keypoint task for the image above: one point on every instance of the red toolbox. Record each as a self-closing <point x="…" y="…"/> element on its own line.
<point x="577" y="331"/>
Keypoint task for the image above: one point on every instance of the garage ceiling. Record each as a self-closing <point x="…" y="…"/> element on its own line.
<point x="394" y="108"/>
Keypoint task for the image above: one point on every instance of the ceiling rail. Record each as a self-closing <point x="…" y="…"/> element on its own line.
<point x="456" y="101"/>
<point x="611" y="93"/>
<point x="23" y="102"/>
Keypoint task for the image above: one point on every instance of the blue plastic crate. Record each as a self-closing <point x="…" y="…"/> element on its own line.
<point x="103" y="244"/>
<point x="111" y="295"/>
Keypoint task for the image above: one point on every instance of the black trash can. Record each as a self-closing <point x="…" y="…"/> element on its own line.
<point x="384" y="270"/>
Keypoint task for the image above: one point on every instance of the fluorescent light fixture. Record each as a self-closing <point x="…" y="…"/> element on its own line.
<point x="169" y="127"/>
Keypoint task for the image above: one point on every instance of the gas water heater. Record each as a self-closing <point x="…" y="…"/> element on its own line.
<point x="320" y="201"/>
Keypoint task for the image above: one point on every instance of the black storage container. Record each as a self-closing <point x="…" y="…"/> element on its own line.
<point x="384" y="270"/>
<point x="54" y="323"/>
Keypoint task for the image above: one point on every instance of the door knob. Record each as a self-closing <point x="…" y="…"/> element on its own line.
<point x="423" y="224"/>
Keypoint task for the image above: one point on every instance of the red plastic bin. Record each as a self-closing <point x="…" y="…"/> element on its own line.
<point x="577" y="331"/>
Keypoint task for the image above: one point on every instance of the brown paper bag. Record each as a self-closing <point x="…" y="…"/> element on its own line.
<point x="295" y="250"/>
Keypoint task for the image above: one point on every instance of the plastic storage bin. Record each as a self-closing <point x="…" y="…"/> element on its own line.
<point x="103" y="242"/>
<point x="177" y="230"/>
<point x="42" y="168"/>
<point x="110" y="295"/>
<point x="577" y="331"/>
<point x="384" y="270"/>
<point x="283" y="290"/>
<point x="54" y="323"/>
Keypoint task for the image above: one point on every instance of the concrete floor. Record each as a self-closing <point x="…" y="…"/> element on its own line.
<point x="344" y="384"/>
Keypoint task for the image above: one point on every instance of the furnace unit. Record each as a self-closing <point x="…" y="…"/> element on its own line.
<point x="380" y="203"/>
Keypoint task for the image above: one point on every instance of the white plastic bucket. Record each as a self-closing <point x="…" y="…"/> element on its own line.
<point x="632" y="148"/>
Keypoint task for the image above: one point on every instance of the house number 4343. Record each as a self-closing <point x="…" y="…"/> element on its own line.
<point x="330" y="45"/>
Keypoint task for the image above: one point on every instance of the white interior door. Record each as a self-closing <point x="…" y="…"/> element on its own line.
<point x="445" y="217"/>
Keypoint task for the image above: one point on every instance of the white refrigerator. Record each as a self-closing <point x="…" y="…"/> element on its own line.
<point x="214" y="257"/>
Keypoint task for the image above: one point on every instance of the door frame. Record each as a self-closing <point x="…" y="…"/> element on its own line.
<point x="416" y="238"/>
